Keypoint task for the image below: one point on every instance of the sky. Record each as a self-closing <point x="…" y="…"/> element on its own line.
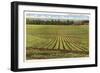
<point x="57" y="16"/>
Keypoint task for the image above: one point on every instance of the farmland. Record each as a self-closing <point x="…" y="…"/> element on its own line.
<point x="57" y="41"/>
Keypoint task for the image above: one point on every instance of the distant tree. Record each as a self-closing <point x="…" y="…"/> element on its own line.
<point x="32" y="21"/>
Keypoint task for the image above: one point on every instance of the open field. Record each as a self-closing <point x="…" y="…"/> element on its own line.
<point x="57" y="41"/>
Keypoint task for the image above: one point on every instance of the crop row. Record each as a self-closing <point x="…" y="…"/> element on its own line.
<point x="62" y="43"/>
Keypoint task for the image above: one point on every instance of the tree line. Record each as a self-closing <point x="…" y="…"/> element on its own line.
<point x="31" y="21"/>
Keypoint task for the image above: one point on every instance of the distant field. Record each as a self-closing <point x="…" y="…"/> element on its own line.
<point x="57" y="41"/>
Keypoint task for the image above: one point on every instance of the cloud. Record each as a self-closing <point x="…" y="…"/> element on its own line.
<point x="57" y="16"/>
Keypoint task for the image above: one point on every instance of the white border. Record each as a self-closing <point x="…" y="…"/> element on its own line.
<point x="55" y="62"/>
